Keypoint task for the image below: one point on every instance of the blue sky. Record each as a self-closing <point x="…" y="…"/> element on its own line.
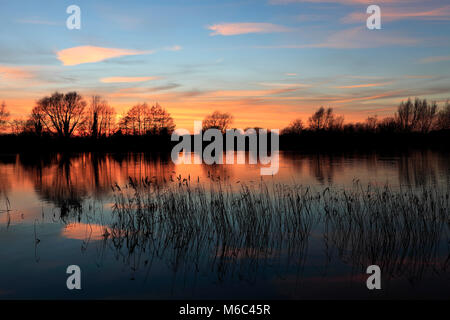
<point x="266" y="61"/>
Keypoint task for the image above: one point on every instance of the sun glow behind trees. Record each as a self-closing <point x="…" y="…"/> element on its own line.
<point x="67" y="115"/>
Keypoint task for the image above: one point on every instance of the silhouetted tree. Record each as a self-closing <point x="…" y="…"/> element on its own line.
<point x="63" y="113"/>
<point x="425" y="115"/>
<point x="337" y="123"/>
<point x="17" y="126"/>
<point x="357" y="127"/>
<point x="371" y="123"/>
<point x="318" y="120"/>
<point x="138" y="115"/>
<point x="4" y="116"/>
<point x="142" y="119"/>
<point x="295" y="127"/>
<point x="218" y="120"/>
<point x="417" y="116"/>
<point x="324" y="119"/>
<point x="35" y="122"/>
<point x="405" y="115"/>
<point x="125" y="124"/>
<point x="443" y="118"/>
<point x="388" y="125"/>
<point x="160" y="121"/>
<point x="99" y="119"/>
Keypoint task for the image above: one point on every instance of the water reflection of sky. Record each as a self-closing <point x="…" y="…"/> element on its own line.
<point x="37" y="244"/>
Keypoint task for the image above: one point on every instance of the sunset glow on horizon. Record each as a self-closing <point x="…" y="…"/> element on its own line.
<point x="265" y="62"/>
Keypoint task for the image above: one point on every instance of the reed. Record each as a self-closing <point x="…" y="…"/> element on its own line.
<point x="243" y="230"/>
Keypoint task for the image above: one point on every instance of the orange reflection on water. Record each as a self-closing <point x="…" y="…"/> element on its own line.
<point x="64" y="181"/>
<point x="84" y="231"/>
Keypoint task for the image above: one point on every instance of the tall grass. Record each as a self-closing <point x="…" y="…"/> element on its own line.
<point x="401" y="231"/>
<point x="215" y="228"/>
<point x="7" y="210"/>
<point x="242" y="231"/>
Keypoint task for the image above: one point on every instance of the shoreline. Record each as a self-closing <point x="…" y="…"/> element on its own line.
<point x="304" y="142"/>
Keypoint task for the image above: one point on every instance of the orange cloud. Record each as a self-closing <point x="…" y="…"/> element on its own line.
<point x="90" y="54"/>
<point x="7" y="72"/>
<point x="231" y="29"/>
<point x="127" y="79"/>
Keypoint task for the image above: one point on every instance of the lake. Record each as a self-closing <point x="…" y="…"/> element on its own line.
<point x="85" y="209"/>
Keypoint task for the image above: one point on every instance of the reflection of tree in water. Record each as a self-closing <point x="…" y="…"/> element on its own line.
<point x="443" y="165"/>
<point x="6" y="163"/>
<point x="142" y="165"/>
<point x="415" y="168"/>
<point x="55" y="180"/>
<point x="66" y="180"/>
<point x="419" y="168"/>
<point x="324" y="166"/>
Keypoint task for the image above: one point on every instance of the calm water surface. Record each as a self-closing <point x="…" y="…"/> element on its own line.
<point x="40" y="236"/>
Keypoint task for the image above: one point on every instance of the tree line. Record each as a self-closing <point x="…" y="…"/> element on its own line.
<point x="69" y="114"/>
<point x="411" y="116"/>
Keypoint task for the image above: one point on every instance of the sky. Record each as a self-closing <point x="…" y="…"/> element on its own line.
<point x="267" y="62"/>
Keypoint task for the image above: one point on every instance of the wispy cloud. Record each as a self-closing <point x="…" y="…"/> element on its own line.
<point x="127" y="79"/>
<point x="365" y="85"/>
<point x="7" y="72"/>
<point x="38" y="21"/>
<point x="89" y="54"/>
<point x="143" y="93"/>
<point x="346" y="2"/>
<point x="435" y="59"/>
<point x="360" y="37"/>
<point x="284" y="85"/>
<point x="173" y="48"/>
<point x="391" y="14"/>
<point x="231" y="29"/>
<point x="312" y="17"/>
<point x="247" y="93"/>
<point x="355" y="38"/>
<point x="419" y="77"/>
